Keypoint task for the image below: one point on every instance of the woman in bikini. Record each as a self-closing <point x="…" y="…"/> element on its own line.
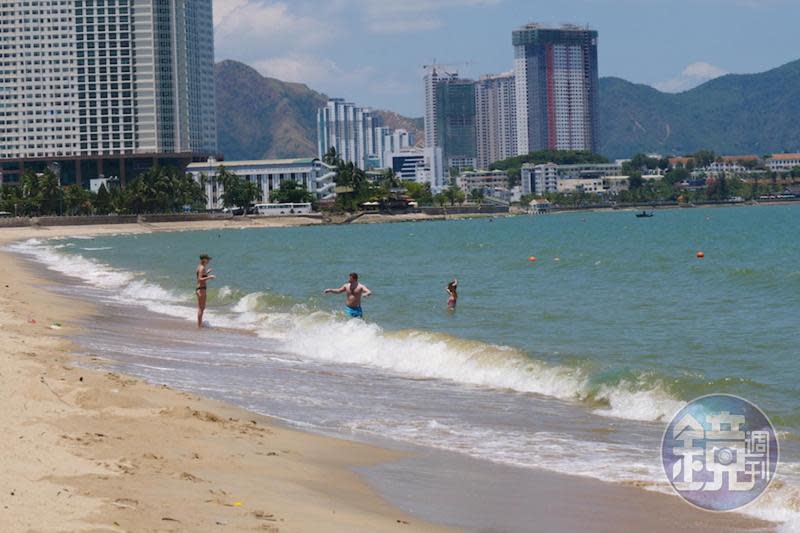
<point x="452" y="292"/>
<point x="203" y="275"/>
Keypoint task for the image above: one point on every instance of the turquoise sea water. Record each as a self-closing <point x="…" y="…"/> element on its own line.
<point x="617" y="322"/>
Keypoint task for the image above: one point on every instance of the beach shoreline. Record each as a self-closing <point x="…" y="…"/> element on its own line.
<point x="102" y="450"/>
<point x="98" y="450"/>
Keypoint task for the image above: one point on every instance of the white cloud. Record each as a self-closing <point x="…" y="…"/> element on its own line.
<point x="250" y="26"/>
<point x="320" y="73"/>
<point x="309" y="69"/>
<point x="692" y="76"/>
<point x="299" y="40"/>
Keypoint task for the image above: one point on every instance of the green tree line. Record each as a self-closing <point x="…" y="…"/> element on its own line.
<point x="158" y="190"/>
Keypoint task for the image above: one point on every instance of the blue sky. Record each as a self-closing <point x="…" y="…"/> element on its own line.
<point x="372" y="51"/>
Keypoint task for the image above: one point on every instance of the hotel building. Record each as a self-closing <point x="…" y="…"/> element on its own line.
<point x="496" y="119"/>
<point x="105" y="87"/>
<point x="556" y="88"/>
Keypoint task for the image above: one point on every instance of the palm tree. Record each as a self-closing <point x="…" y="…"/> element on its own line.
<point x="31" y="195"/>
<point x="49" y="192"/>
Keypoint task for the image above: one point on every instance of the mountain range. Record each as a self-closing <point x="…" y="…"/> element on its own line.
<point x="261" y="117"/>
<point x="735" y="114"/>
<point x="266" y="118"/>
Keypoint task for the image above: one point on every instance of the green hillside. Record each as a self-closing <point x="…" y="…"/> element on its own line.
<point x="734" y="114"/>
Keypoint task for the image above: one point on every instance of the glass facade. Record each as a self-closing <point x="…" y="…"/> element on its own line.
<point x="455" y="122"/>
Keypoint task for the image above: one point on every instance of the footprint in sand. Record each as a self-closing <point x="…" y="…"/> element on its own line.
<point x="261" y="515"/>
<point x="126" y="503"/>
<point x="186" y="476"/>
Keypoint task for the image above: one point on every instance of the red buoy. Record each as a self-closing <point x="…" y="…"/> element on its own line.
<point x="701" y="255"/>
<point x="532" y="259"/>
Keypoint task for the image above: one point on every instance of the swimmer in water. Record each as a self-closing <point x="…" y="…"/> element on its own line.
<point x="353" y="293"/>
<point x="452" y="292"/>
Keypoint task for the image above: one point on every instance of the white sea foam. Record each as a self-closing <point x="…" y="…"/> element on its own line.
<point x="626" y="401"/>
<point x="428" y="355"/>
<point x="557" y="452"/>
<point x="75" y="266"/>
<point x="225" y="292"/>
<point x="248" y="303"/>
<point x="121" y="285"/>
<point x="437" y="356"/>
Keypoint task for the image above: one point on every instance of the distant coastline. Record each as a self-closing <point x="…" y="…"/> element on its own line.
<point x="65" y="226"/>
<point x="675" y="205"/>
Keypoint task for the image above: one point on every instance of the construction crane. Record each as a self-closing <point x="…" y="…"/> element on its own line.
<point x="448" y="65"/>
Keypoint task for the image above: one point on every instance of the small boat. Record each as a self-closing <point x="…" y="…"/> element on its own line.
<point x="645" y="214"/>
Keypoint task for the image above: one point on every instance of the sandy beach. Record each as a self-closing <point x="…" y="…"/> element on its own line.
<point x="88" y="450"/>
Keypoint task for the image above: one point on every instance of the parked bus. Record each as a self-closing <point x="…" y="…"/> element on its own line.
<point x="276" y="210"/>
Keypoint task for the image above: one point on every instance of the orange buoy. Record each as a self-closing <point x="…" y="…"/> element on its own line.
<point x="701" y="255"/>
<point x="532" y="259"/>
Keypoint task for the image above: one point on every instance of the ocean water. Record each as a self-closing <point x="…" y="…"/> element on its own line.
<point x="573" y="363"/>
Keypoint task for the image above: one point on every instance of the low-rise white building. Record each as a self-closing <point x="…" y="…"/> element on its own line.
<point x="543" y="179"/>
<point x="539" y="179"/>
<point x="581" y="185"/>
<point x="731" y="165"/>
<point x="316" y="176"/>
<point x="488" y="180"/>
<point x="783" y="162"/>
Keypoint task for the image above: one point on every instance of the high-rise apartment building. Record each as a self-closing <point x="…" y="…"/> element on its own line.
<point x="433" y="77"/>
<point x="556" y="88"/>
<point x="496" y="119"/>
<point x="450" y="116"/>
<point x="388" y="141"/>
<point x="350" y="129"/>
<point x="105" y="86"/>
<point x="357" y="135"/>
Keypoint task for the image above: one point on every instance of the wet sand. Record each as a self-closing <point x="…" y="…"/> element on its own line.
<point x="96" y="450"/>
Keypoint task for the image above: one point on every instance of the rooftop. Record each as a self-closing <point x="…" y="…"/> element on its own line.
<point x="253" y="163"/>
<point x="561" y="27"/>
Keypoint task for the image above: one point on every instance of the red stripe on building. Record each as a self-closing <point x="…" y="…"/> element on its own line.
<point x="551" y="97"/>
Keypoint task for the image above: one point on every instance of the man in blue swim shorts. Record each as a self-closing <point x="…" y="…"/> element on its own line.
<point x="354" y="291"/>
